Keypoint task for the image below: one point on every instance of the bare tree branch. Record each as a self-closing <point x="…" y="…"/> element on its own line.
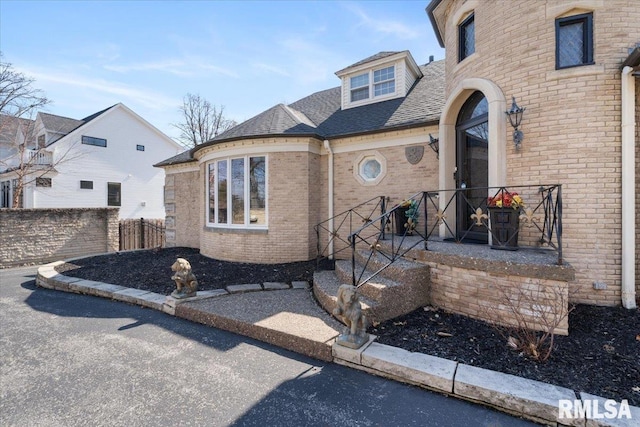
<point x="201" y="121"/>
<point x="21" y="154"/>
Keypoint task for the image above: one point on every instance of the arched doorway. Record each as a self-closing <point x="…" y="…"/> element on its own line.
<point x="472" y="165"/>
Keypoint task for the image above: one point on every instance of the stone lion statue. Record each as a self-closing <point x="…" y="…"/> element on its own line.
<point x="349" y="310"/>
<point x="186" y="282"/>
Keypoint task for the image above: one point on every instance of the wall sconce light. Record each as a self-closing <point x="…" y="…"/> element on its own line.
<point x="434" y="143"/>
<point x="515" y="117"/>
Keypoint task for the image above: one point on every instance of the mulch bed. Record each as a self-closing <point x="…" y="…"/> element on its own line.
<point x="600" y="356"/>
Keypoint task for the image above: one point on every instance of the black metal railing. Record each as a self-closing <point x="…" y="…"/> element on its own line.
<point x="504" y="217"/>
<point x="332" y="235"/>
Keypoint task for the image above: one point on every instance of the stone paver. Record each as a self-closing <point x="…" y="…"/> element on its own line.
<point x="232" y="289"/>
<point x="533" y="399"/>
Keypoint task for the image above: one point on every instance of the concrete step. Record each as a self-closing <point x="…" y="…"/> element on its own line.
<point x="325" y="290"/>
<point x="410" y="289"/>
<point x="401" y="270"/>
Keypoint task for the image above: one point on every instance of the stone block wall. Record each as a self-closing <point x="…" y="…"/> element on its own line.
<point x="182" y="200"/>
<point x="34" y="236"/>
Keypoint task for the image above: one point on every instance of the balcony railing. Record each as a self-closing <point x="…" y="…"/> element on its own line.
<point x="503" y="217"/>
<point x="39" y="157"/>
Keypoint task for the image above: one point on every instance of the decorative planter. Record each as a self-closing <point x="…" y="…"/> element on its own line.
<point x="505" y="224"/>
<point x="401" y="221"/>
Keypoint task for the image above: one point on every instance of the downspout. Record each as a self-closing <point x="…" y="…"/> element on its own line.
<point x="327" y="146"/>
<point x="628" y="189"/>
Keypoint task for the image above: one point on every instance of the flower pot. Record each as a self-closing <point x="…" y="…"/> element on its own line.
<point x="505" y="224"/>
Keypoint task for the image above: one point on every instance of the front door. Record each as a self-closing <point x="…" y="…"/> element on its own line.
<point x="472" y="161"/>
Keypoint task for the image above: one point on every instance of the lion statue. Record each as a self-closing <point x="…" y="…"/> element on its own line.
<point x="186" y="282"/>
<point x="349" y="310"/>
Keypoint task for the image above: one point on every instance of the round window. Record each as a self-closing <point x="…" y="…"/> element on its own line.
<point x="370" y="169"/>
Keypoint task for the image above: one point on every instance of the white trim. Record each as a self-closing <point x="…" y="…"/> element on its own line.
<point x="358" y="163"/>
<point x="389" y="142"/>
<point x="628" y="290"/>
<point x="250" y="147"/>
<point x="247" y="196"/>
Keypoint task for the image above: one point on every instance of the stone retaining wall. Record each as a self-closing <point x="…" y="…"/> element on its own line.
<point x="41" y="235"/>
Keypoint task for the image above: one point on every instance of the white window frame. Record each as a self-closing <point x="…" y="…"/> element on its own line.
<point x="247" y="192"/>
<point x="371" y="84"/>
<point x="359" y="163"/>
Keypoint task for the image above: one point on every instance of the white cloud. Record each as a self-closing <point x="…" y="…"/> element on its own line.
<point x="122" y="92"/>
<point x="270" y="69"/>
<point x="171" y="66"/>
<point x="384" y="26"/>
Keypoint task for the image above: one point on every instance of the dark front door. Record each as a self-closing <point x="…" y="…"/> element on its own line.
<point x="472" y="161"/>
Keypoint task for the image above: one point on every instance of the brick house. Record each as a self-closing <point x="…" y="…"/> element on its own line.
<point x="256" y="192"/>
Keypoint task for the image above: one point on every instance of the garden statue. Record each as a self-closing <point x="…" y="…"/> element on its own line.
<point x="186" y="282"/>
<point x="349" y="311"/>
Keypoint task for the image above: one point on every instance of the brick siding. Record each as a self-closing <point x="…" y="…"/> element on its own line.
<point x="571" y="125"/>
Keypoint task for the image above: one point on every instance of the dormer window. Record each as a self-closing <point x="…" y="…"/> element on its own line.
<point x="383" y="83"/>
<point x="381" y="77"/>
<point x="360" y="87"/>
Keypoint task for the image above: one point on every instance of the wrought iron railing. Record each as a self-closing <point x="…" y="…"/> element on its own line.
<point x="504" y="217"/>
<point x="332" y="235"/>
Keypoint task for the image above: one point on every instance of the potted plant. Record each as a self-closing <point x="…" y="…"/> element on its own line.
<point x="406" y="217"/>
<point x="504" y="213"/>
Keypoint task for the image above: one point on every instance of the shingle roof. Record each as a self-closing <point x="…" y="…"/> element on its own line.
<point x="320" y="114"/>
<point x="372" y="58"/>
<point x="59" y="124"/>
<point x="9" y="128"/>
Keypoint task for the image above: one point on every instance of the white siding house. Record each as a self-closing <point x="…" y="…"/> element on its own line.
<point x="103" y="160"/>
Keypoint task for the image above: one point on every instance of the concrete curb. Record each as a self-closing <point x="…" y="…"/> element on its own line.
<point x="533" y="400"/>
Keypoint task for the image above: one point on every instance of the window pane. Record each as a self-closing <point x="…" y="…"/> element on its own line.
<point x="90" y="140"/>
<point x="467" y="38"/>
<point x="370" y="169"/>
<point x="257" y="189"/>
<point x="237" y="190"/>
<point x="384" y="88"/>
<point x="383" y="75"/>
<point x="359" y="81"/>
<point x="113" y="194"/>
<point x="359" y="94"/>
<point x="571" y="44"/>
<point x="212" y="192"/>
<point x="222" y="192"/>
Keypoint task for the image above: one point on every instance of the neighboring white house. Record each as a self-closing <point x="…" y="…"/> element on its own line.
<point x="105" y="159"/>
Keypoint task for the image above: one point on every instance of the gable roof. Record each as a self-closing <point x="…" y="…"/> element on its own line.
<point x="379" y="55"/>
<point x="9" y="128"/>
<point x="58" y="124"/>
<point x="320" y="115"/>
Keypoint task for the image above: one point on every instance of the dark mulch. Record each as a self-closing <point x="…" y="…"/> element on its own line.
<point x="600" y="356"/>
<point x="150" y="270"/>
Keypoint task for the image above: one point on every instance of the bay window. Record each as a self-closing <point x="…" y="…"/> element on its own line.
<point x="237" y="192"/>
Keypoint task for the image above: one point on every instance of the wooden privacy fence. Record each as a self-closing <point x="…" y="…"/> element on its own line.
<point x="141" y="233"/>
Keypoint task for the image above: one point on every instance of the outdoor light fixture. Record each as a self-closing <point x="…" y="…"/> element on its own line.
<point x="434" y="143"/>
<point x="515" y="117"/>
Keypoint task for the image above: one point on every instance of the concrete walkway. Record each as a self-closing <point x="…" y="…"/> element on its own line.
<point x="288" y="316"/>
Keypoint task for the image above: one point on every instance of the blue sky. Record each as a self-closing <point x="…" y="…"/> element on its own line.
<point x="244" y="55"/>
